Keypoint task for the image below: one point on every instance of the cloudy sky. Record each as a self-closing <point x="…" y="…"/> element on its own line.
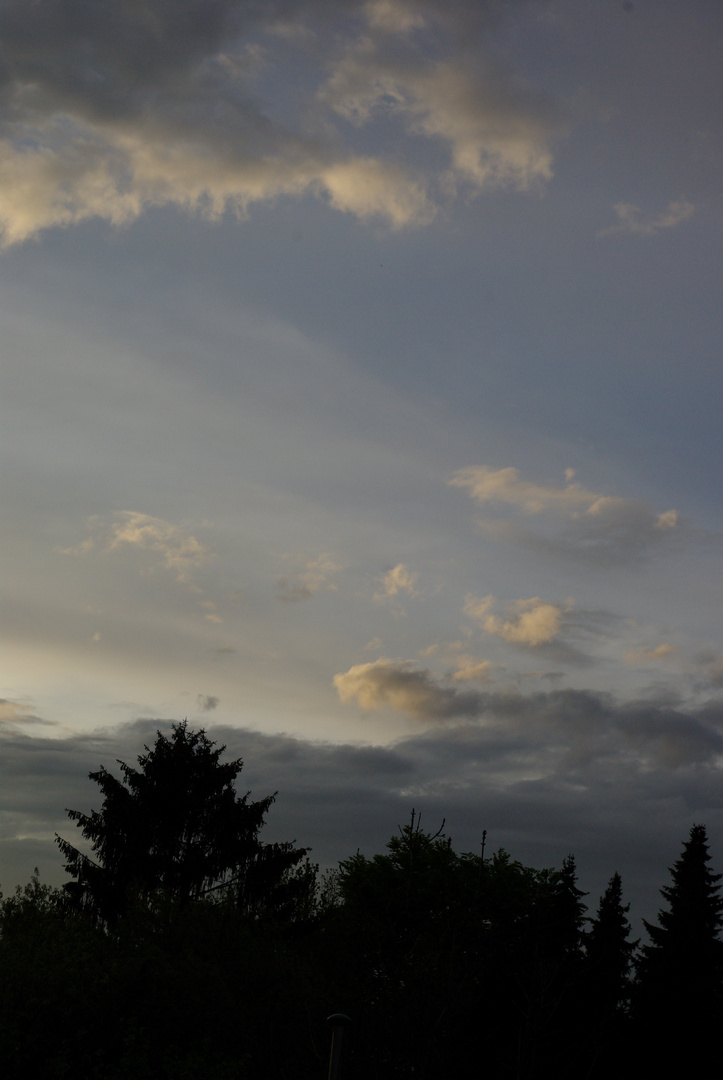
<point x="360" y="397"/>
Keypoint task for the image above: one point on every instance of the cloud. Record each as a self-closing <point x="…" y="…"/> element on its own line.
<point x="470" y="669"/>
<point x="155" y="104"/>
<point x="631" y="219"/>
<point x="13" y="713"/>
<point x="397" y="580"/>
<point x="573" y="727"/>
<point x="644" y="656"/>
<point x="616" y="783"/>
<point x="318" y="574"/>
<point x="533" y="621"/>
<point x="497" y="133"/>
<point x="401" y="686"/>
<point x="206" y="702"/>
<point x="179" y="550"/>
<point x="599" y="528"/>
<point x="505" y="486"/>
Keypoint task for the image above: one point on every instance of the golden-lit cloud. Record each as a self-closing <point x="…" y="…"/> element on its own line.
<point x="178" y="549"/>
<point x="530" y="622"/>
<point x="595" y="526"/>
<point x="401" y="686"/>
<point x="398" y="580"/>
<point x="487" y="485"/>
<point x="496" y="132"/>
<point x="470" y="669"/>
<point x="176" y="118"/>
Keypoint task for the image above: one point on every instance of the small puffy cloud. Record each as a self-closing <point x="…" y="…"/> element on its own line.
<point x="531" y="621"/>
<point x="179" y="550"/>
<point x="318" y="573"/>
<point x="396" y="581"/>
<point x="644" y="656"/>
<point x="409" y="690"/>
<point x="631" y="219"/>
<point x="573" y="520"/>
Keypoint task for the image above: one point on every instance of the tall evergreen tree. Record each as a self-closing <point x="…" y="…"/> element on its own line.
<point x="606" y="983"/>
<point x="608" y="950"/>
<point x="176" y="825"/>
<point x="680" y="973"/>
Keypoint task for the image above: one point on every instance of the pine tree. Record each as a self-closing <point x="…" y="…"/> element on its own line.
<point x="680" y="973"/>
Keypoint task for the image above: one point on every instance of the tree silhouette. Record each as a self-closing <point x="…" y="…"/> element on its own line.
<point x="608" y="950"/>
<point x="606" y="982"/>
<point x="175" y="825"/>
<point x="681" y="970"/>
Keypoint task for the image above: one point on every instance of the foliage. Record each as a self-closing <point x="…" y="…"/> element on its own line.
<point x="176" y="825"/>
<point x="189" y="949"/>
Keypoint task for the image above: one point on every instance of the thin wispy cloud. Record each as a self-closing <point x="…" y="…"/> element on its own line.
<point x="317" y="573"/>
<point x="177" y="548"/>
<point x="631" y="219"/>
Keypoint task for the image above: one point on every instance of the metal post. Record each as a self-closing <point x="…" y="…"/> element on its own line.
<point x="338" y="1022"/>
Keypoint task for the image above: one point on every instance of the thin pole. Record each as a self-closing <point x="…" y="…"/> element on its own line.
<point x="338" y="1022"/>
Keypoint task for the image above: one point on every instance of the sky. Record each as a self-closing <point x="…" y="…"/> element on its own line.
<point x="360" y="395"/>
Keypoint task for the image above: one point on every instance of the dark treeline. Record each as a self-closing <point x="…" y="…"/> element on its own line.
<point x="184" y="947"/>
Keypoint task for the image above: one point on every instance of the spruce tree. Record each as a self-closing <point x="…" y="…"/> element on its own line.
<point x="176" y="826"/>
<point x="680" y="973"/>
<point x="608" y="950"/>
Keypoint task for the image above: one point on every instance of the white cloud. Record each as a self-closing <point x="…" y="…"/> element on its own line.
<point x="631" y="219"/>
<point x="531" y="622"/>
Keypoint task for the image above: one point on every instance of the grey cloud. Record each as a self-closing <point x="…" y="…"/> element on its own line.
<point x="206" y="702"/>
<point x="573" y="724"/>
<point x="510" y="778"/>
<point x="113" y="108"/>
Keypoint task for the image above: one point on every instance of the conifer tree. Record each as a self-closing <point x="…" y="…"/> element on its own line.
<point x="176" y="825"/>
<point x="680" y="974"/>
<point x="608" y="950"/>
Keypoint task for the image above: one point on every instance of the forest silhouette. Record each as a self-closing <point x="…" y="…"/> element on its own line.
<point x="182" y="946"/>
